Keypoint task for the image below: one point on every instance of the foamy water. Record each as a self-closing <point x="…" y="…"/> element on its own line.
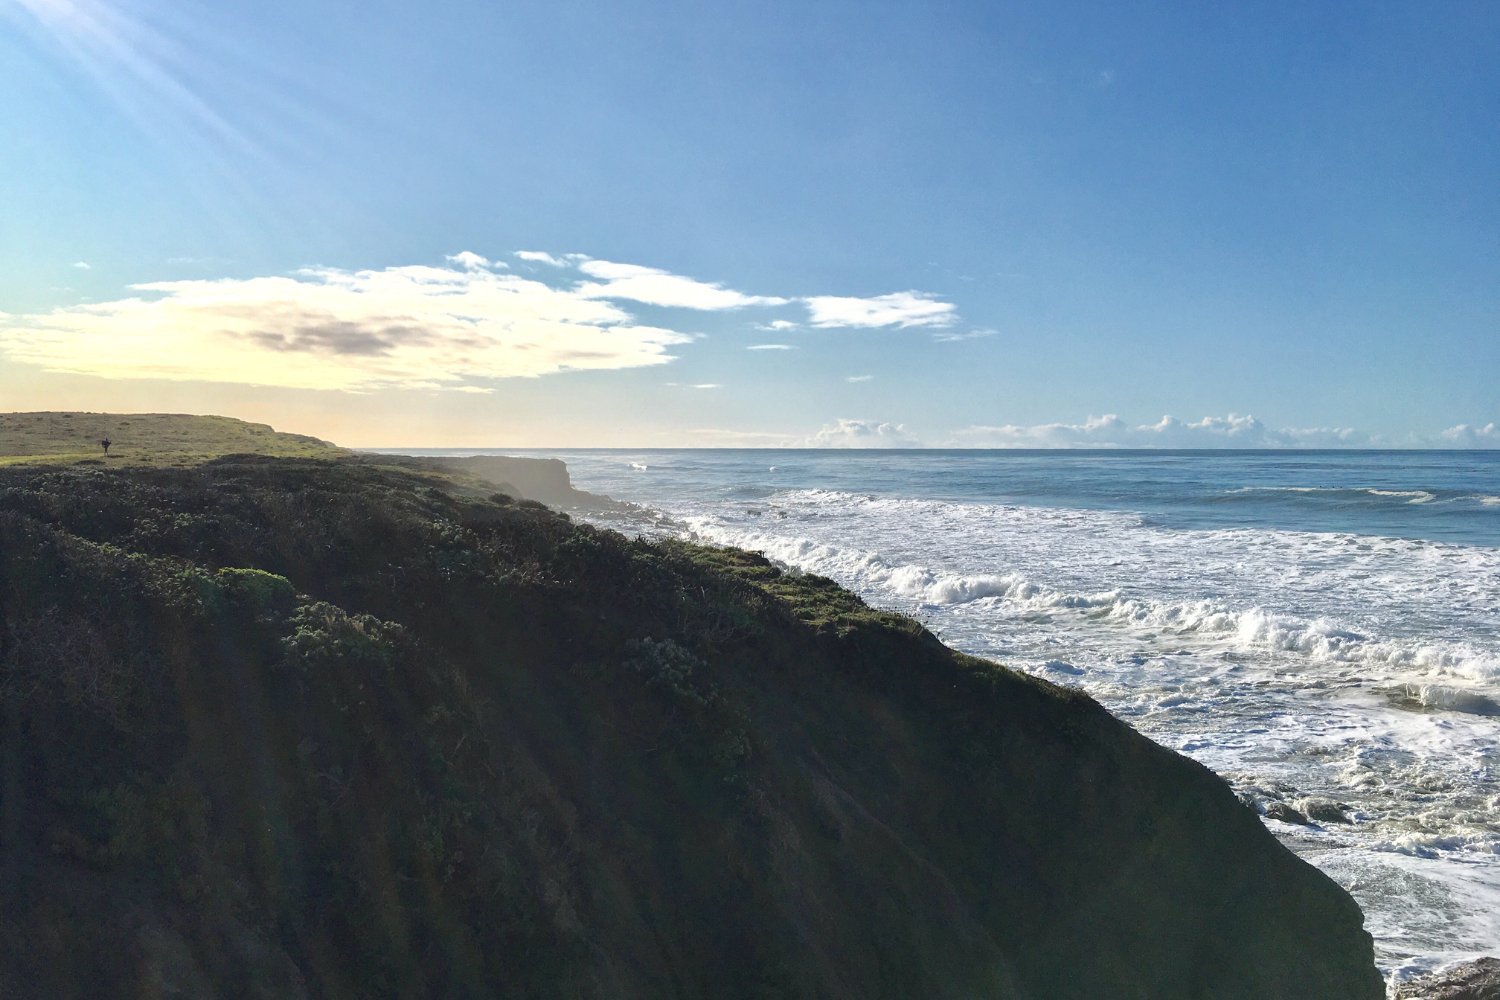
<point x="1322" y="631"/>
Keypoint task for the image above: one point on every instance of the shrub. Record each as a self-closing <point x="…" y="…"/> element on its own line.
<point x="667" y="666"/>
<point x="258" y="587"/>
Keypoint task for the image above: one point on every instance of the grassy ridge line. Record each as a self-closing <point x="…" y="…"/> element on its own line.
<point x="153" y="439"/>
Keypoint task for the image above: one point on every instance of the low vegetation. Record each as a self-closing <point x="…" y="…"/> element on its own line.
<point x="284" y="727"/>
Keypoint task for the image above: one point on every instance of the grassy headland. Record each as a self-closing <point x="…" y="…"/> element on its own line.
<point x="144" y="439"/>
<point x="304" y="728"/>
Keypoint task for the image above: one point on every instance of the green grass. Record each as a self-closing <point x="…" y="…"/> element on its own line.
<point x="814" y="600"/>
<point x="154" y="439"/>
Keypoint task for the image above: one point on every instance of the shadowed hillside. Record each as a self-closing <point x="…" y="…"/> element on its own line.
<point x="279" y="728"/>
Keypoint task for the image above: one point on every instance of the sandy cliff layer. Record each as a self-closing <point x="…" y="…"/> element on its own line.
<point x="298" y="728"/>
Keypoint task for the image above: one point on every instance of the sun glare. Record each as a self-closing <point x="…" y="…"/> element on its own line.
<point x="217" y="109"/>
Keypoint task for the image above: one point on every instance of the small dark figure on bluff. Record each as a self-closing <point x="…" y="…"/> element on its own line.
<point x="105" y="445"/>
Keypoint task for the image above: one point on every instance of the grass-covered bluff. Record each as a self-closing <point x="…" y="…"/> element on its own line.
<point x="52" y="437"/>
<point x="304" y="728"/>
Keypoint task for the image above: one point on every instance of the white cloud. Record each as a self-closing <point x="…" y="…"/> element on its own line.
<point x="955" y="337"/>
<point x="899" y="309"/>
<point x="541" y="257"/>
<point x="82" y="265"/>
<point x="696" y="385"/>
<point x="471" y="261"/>
<point x="1467" y="436"/>
<point x="461" y="324"/>
<point x="858" y="378"/>
<point x="655" y="287"/>
<point x="861" y="434"/>
<point x="1109" y="431"/>
<point x="326" y="328"/>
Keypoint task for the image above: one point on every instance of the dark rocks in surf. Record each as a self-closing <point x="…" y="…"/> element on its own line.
<point x="1477" y="980"/>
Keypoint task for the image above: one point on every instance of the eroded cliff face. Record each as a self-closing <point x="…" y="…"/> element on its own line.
<point x="545" y="480"/>
<point x="279" y="728"/>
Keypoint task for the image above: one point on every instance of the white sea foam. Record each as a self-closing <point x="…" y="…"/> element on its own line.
<point x="1415" y="496"/>
<point x="1411" y="496"/>
<point x="1213" y="621"/>
<point x="1443" y="697"/>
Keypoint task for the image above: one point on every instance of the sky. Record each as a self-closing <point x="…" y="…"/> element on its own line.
<point x="566" y="224"/>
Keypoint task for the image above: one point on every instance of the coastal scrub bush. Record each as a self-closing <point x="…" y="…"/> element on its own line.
<point x="325" y="636"/>
<point x="263" y="592"/>
<point x="667" y="666"/>
<point x="147" y="820"/>
<point x="58" y="653"/>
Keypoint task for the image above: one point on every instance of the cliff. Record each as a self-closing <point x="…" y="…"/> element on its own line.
<point x="282" y="728"/>
<point x="545" y="480"/>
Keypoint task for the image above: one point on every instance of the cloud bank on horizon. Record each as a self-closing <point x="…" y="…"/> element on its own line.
<point x="1106" y="432"/>
<point x="846" y="433"/>
<point x="416" y="326"/>
<point x="1232" y="431"/>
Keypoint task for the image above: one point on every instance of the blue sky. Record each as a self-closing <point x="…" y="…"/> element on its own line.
<point x="967" y="224"/>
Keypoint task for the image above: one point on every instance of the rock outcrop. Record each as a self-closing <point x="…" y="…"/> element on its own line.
<point x="1477" y="980"/>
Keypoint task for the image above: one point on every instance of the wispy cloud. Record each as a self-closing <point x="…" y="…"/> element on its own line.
<point x="861" y="434"/>
<point x="696" y="385"/>
<point x="82" y="265"/>
<point x="898" y="309"/>
<point x="460" y="324"/>
<point x="953" y="337"/>
<point x="858" y="378"/>
<point x="325" y="328"/>
<point x="655" y="287"/>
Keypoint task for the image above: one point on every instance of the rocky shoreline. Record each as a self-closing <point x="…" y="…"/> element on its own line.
<point x="1477" y="980"/>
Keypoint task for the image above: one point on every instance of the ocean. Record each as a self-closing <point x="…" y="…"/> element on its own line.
<point x="1322" y="629"/>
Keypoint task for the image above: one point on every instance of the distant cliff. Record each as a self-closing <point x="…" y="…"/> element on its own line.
<point x="282" y="728"/>
<point x="542" y="479"/>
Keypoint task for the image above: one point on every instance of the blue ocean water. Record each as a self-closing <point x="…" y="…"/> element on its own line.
<point x="1449" y="496"/>
<point x="1320" y="628"/>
